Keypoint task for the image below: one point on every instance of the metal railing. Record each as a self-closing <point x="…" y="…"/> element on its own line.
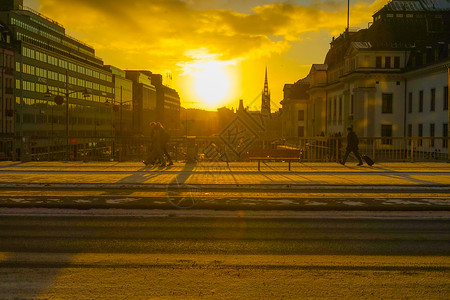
<point x="317" y="149"/>
<point x="412" y="149"/>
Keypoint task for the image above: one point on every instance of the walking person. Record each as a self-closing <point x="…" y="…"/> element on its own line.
<point x="164" y="138"/>
<point x="352" y="146"/>
<point x="155" y="150"/>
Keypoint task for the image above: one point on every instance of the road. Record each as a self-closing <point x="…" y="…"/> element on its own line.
<point x="140" y="254"/>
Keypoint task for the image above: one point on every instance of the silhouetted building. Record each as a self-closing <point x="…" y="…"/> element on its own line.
<point x="167" y="104"/>
<point x="225" y="115"/>
<point x="199" y="122"/>
<point x="144" y="96"/>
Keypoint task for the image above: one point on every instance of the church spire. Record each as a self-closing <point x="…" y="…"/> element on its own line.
<point x="265" y="104"/>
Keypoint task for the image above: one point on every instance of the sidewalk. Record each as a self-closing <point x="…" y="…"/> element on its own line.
<point x="219" y="175"/>
<point x="216" y="186"/>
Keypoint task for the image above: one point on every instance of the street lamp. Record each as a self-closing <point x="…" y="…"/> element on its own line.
<point x="119" y="108"/>
<point x="59" y="99"/>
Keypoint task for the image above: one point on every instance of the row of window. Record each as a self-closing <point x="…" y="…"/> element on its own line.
<point x="386" y="131"/>
<point x="387" y="101"/>
<point x="39" y="118"/>
<point x="401" y="15"/>
<point x="34" y="54"/>
<point x="335" y="106"/>
<point x="61" y="134"/>
<point x="46" y="34"/>
<point x="55" y="48"/>
<point x="387" y="62"/>
<point x="31" y="70"/>
<point x="82" y="109"/>
<point x="432" y="100"/>
<point x="31" y="86"/>
<point x="432" y="130"/>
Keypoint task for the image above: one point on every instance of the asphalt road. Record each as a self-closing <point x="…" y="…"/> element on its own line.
<point x="54" y="254"/>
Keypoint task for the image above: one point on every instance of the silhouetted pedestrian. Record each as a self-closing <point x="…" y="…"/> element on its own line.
<point x="164" y="138"/>
<point x="352" y="146"/>
<point x="156" y="153"/>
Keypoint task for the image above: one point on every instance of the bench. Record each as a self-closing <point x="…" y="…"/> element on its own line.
<point x="274" y="154"/>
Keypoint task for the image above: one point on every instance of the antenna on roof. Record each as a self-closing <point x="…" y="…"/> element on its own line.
<point x="348" y="15"/>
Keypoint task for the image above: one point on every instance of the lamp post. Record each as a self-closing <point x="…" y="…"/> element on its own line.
<point x="119" y="108"/>
<point x="60" y="100"/>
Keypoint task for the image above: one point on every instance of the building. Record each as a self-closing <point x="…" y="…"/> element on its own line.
<point x="122" y="104"/>
<point x="47" y="59"/>
<point x="317" y="104"/>
<point x="7" y="62"/>
<point x="167" y="105"/>
<point x="388" y="80"/>
<point x="145" y="99"/>
<point x="295" y="109"/>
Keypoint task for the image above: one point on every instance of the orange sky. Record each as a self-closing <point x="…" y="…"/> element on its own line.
<point x="215" y="50"/>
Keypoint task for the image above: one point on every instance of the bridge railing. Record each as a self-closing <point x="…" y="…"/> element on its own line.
<point x="317" y="149"/>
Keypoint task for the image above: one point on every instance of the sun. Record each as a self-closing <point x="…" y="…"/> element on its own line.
<point x="212" y="84"/>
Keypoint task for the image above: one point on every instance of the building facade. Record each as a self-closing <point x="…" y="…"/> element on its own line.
<point x="144" y="96"/>
<point x="122" y="104"/>
<point x="47" y="59"/>
<point x="167" y="105"/>
<point x="7" y="113"/>
<point x="295" y="109"/>
<point x="389" y="80"/>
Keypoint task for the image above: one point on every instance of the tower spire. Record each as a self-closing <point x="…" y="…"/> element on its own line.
<point x="265" y="103"/>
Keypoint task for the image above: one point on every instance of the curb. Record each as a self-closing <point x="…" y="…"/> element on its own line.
<point x="230" y="187"/>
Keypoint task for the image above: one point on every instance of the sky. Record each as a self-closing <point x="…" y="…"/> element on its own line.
<point x="214" y="51"/>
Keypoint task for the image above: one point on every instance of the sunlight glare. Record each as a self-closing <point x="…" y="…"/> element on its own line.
<point x="211" y="82"/>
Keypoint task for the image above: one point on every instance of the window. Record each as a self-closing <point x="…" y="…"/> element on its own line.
<point x="301" y="131"/>
<point x="387" y="62"/>
<point x="334" y="108"/>
<point x="420" y="133"/>
<point x="432" y="134"/>
<point x="386" y="131"/>
<point x="378" y="62"/>
<point x="445" y="98"/>
<point x="420" y="101"/>
<point x="445" y="135"/>
<point x="386" y="106"/>
<point x="396" y="62"/>
<point x="409" y="130"/>
<point x="410" y="102"/>
<point x="351" y="104"/>
<point x="329" y="109"/>
<point x="301" y="115"/>
<point x="340" y="108"/>
<point x="433" y="99"/>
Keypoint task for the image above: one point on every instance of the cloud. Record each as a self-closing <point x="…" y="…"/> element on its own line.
<point x="158" y="34"/>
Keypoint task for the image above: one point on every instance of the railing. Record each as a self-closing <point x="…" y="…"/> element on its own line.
<point x="318" y="149"/>
<point x="379" y="149"/>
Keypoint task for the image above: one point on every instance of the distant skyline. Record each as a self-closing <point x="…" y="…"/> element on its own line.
<point x="215" y="50"/>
